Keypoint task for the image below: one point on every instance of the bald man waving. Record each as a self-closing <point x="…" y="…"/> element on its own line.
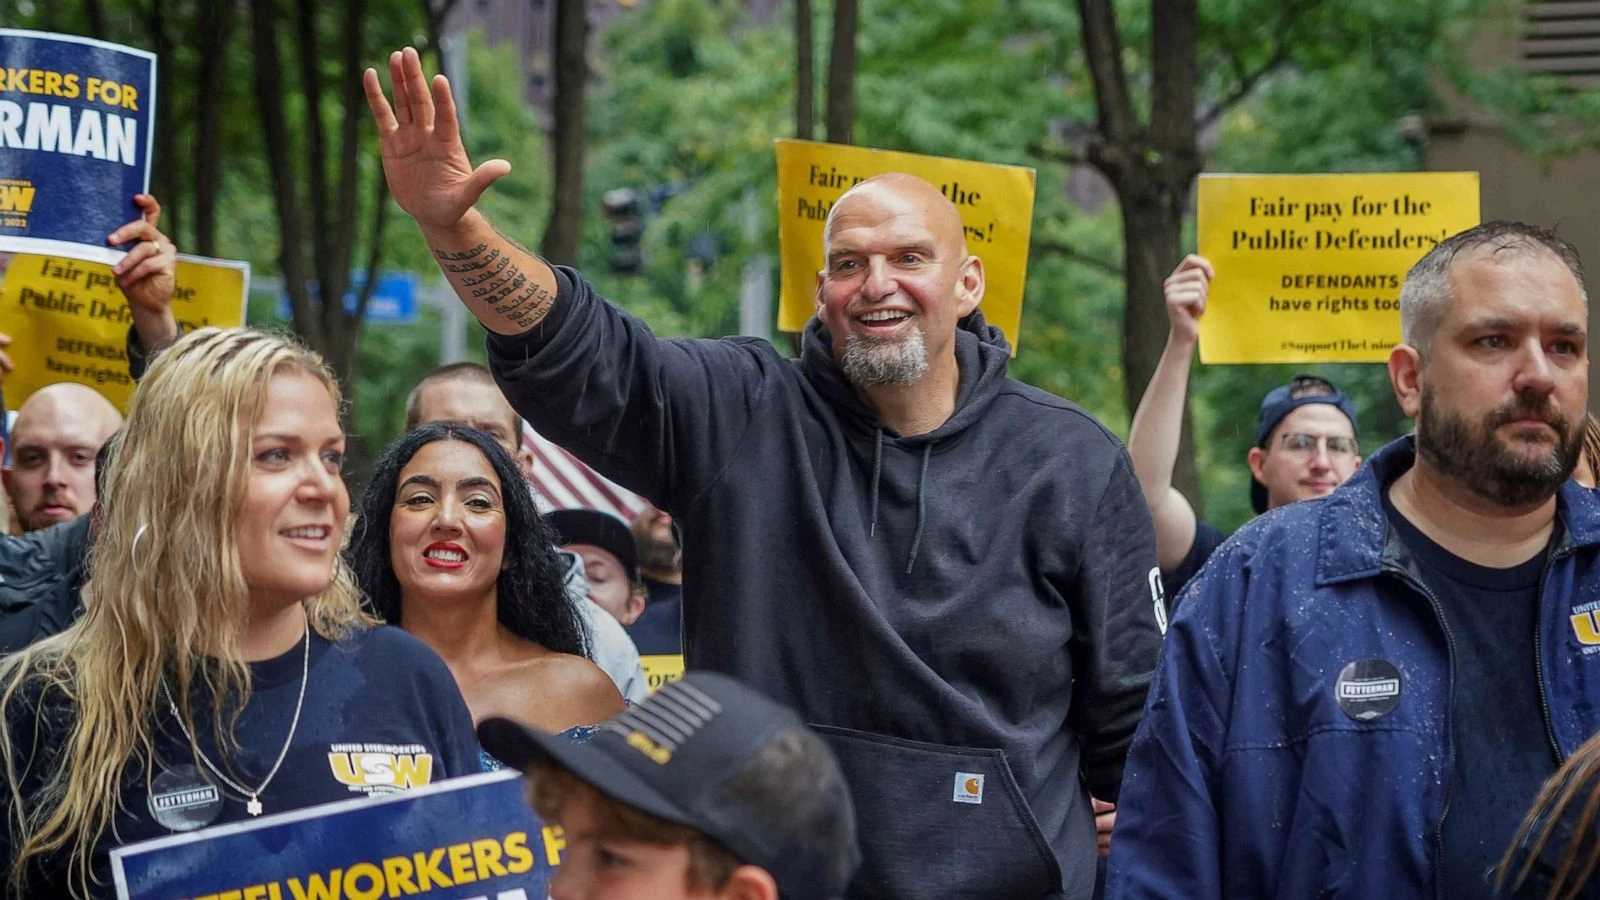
<point x="950" y="575"/>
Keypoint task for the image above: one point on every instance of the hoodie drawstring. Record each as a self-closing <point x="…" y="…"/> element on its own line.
<point x="877" y="470"/>
<point x="922" y="481"/>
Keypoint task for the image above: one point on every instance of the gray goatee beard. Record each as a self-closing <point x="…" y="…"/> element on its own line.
<point x="876" y="362"/>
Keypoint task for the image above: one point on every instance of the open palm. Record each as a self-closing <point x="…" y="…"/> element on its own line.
<point x="424" y="160"/>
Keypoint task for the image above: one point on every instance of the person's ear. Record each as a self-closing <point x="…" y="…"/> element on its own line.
<point x="1256" y="459"/>
<point x="969" y="286"/>
<point x="1405" y="376"/>
<point x="634" y="608"/>
<point x="749" y="883"/>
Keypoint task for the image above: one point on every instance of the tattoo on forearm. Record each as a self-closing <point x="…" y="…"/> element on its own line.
<point x="498" y="283"/>
<point x="493" y="271"/>
<point x="474" y="265"/>
<point x="469" y="254"/>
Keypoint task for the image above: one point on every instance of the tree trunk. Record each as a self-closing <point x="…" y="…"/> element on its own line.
<point x="214" y="34"/>
<point x="842" y="73"/>
<point x="805" y="76"/>
<point x="94" y="15"/>
<point x="570" y="62"/>
<point x="164" y="181"/>
<point x="1152" y="231"/>
<point x="267" y="80"/>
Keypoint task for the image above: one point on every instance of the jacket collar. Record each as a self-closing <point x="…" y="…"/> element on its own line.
<point x="1355" y="540"/>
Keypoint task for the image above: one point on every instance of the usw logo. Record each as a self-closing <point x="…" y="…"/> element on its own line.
<point x="401" y="771"/>
<point x="1586" y="626"/>
<point x="16" y="198"/>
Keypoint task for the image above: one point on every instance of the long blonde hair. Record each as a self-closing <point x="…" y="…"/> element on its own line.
<point x="1557" y="848"/>
<point x="165" y="591"/>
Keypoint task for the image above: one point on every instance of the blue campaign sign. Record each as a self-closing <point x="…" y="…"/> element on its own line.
<point x="464" y="838"/>
<point x="77" y="119"/>
<point x="393" y="300"/>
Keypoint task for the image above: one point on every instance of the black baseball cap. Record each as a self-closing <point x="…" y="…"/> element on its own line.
<point x="1302" y="390"/>
<point x="672" y="757"/>
<point x="598" y="529"/>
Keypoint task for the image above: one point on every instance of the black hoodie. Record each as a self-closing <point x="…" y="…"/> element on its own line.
<point x="968" y="615"/>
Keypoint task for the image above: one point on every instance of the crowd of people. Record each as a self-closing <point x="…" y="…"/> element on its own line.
<point x="946" y="635"/>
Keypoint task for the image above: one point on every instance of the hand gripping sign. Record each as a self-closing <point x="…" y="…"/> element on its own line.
<point x="1309" y="267"/>
<point x="76" y="124"/>
<point x="473" y="837"/>
<point x="995" y="202"/>
<point x="69" y="322"/>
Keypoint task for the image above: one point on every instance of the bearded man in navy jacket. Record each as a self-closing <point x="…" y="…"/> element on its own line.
<point x="951" y="575"/>
<point x="1362" y="694"/>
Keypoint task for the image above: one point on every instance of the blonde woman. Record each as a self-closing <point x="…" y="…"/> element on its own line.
<point x="223" y="668"/>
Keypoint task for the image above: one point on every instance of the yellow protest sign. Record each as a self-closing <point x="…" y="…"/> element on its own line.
<point x="659" y="669"/>
<point x="996" y="204"/>
<point x="1309" y="266"/>
<point x="69" y="322"/>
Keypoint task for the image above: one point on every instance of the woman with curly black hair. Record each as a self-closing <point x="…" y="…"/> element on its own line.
<point x="450" y="547"/>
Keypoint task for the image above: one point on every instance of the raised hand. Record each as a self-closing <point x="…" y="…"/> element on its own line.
<point x="147" y="275"/>
<point x="1185" y="291"/>
<point x="424" y="160"/>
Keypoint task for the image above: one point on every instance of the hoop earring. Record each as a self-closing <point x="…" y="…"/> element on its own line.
<point x="133" y="552"/>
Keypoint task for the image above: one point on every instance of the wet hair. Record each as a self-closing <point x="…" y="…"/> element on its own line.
<point x="1426" y="293"/>
<point x="531" y="598"/>
<point x="1556" y="851"/>
<point x="165" y="579"/>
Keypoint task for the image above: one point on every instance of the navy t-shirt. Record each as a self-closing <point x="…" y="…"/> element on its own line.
<point x="659" y="629"/>
<point x="381" y="714"/>
<point x="1502" y="752"/>
<point x="1206" y="542"/>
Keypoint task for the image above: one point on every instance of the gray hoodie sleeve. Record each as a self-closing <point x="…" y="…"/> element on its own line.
<point x="660" y="417"/>
<point x="1123" y="616"/>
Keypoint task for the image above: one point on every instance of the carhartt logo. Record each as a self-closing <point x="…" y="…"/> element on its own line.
<point x="969" y="787"/>
<point x="1586" y="627"/>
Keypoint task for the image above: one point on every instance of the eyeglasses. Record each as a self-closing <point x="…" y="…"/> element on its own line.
<point x="1301" y="447"/>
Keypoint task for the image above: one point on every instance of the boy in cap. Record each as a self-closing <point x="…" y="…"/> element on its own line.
<point x="706" y="790"/>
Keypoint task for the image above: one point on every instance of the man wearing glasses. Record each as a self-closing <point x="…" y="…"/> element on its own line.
<point x="1305" y="438"/>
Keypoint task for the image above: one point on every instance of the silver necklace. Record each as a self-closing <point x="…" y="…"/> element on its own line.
<point x="253" y="807"/>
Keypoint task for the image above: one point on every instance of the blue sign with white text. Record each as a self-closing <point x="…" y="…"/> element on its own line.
<point x="77" y="117"/>
<point x="393" y="300"/>
<point x="462" y="839"/>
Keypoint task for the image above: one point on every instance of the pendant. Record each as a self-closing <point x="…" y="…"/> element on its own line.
<point x="253" y="807"/>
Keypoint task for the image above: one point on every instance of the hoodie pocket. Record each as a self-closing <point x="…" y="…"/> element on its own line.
<point x="938" y="821"/>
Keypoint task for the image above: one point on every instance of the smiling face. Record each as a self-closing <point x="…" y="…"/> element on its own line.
<point x="447" y="532"/>
<point x="1308" y="454"/>
<point x="897" y="278"/>
<point x="292" y="519"/>
<point x="1503" y="390"/>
